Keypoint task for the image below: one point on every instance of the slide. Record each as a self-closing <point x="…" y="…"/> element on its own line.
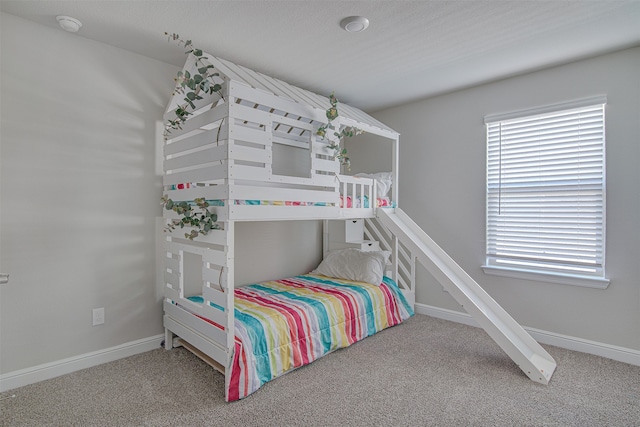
<point x="534" y="361"/>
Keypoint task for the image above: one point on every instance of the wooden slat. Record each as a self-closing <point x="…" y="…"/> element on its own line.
<point x="206" y="311"/>
<point x="250" y="154"/>
<point x="213" y="136"/>
<point x="248" y="113"/>
<point x="305" y="97"/>
<point x="266" y="213"/>
<point x="301" y="122"/>
<point x="171" y="293"/>
<point x="357" y="213"/>
<point x="285" y="88"/>
<point x="214" y="295"/>
<point x="203" y="342"/>
<point x="172" y="278"/>
<point x="172" y="264"/>
<point x="248" y="78"/>
<point x="214" y="314"/>
<point x="202" y="174"/>
<point x="315" y="180"/>
<point x="250" y="173"/>
<point x="204" y="119"/>
<point x="269" y="83"/>
<point x="213" y="237"/>
<point x="242" y="133"/>
<point x="210" y="192"/>
<point x="221" y="211"/>
<point x="226" y="68"/>
<point x="325" y="165"/>
<point x="200" y="104"/>
<point x="246" y="192"/>
<point x="273" y="101"/>
<point x="207" y="155"/>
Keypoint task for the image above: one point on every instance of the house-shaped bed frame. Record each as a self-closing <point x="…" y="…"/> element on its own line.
<point x="253" y="151"/>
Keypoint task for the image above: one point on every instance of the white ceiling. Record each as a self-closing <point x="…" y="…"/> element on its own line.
<point x="411" y="50"/>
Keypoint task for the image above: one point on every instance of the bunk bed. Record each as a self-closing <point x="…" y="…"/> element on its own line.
<point x="251" y="150"/>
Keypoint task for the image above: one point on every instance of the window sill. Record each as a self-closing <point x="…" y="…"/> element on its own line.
<point x="564" y="279"/>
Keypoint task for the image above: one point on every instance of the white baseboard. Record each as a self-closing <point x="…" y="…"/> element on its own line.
<point x="50" y="370"/>
<point x="621" y="354"/>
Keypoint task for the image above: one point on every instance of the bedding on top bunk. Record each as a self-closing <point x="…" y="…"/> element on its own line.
<point x="345" y="202"/>
<point x="283" y="324"/>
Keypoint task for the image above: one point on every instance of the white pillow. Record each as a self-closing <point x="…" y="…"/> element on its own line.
<point x="354" y="264"/>
<point x="383" y="182"/>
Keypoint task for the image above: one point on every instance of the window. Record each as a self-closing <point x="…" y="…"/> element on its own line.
<point x="545" y="194"/>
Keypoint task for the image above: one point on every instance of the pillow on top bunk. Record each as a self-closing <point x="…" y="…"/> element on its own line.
<point x="383" y="182"/>
<point x="354" y="264"/>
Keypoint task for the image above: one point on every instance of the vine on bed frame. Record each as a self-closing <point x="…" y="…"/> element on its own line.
<point x="191" y="84"/>
<point x="202" y="221"/>
<point x="338" y="135"/>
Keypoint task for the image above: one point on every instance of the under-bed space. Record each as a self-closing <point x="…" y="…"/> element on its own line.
<point x="283" y="324"/>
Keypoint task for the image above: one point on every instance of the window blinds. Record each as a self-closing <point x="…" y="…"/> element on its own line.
<point x="545" y="192"/>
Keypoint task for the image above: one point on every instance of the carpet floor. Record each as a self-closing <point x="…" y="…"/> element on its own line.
<point x="424" y="372"/>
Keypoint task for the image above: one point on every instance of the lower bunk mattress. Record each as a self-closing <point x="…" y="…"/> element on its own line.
<point x="284" y="324"/>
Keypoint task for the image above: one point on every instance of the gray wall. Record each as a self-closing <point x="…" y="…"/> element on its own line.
<point x="442" y="187"/>
<point x="80" y="186"/>
<point x="79" y="193"/>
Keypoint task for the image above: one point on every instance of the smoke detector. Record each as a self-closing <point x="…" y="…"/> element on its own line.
<point x="354" y="24"/>
<point x="69" y="24"/>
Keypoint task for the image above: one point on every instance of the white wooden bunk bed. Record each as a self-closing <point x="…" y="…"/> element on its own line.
<point x="253" y="152"/>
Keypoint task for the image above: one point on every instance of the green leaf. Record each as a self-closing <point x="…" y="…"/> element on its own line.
<point x="191" y="95"/>
<point x="197" y="52"/>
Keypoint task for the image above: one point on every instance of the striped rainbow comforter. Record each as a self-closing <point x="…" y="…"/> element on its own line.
<point x="284" y="324"/>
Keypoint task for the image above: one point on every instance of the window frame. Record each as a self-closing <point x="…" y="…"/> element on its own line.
<point x="520" y="272"/>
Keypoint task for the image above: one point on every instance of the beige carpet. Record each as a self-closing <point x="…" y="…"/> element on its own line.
<point x="424" y="372"/>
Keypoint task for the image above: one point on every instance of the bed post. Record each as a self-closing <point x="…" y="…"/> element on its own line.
<point x="394" y="170"/>
<point x="325" y="237"/>
<point x="229" y="306"/>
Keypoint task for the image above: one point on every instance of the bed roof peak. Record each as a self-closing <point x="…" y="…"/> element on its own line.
<point x="238" y="73"/>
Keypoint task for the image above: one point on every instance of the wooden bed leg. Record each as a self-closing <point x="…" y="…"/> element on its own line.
<point x="168" y="339"/>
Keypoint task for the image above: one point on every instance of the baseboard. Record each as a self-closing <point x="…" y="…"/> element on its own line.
<point x="50" y="370"/>
<point x="621" y="354"/>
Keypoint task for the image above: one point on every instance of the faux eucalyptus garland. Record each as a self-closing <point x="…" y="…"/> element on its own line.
<point x="338" y="134"/>
<point x="202" y="220"/>
<point x="191" y="85"/>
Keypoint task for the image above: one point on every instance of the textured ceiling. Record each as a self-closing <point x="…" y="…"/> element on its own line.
<point x="411" y="50"/>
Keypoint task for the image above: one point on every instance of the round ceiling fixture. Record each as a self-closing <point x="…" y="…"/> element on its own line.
<point x="354" y="24"/>
<point x="69" y="24"/>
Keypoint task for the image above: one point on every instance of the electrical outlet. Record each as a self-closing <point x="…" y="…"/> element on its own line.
<point x="98" y="316"/>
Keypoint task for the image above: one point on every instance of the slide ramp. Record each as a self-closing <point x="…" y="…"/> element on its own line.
<point x="534" y="361"/>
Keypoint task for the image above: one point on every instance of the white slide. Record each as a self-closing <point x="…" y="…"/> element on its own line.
<point x="534" y="361"/>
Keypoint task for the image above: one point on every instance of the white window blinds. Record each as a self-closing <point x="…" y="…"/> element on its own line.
<point x="545" y="192"/>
